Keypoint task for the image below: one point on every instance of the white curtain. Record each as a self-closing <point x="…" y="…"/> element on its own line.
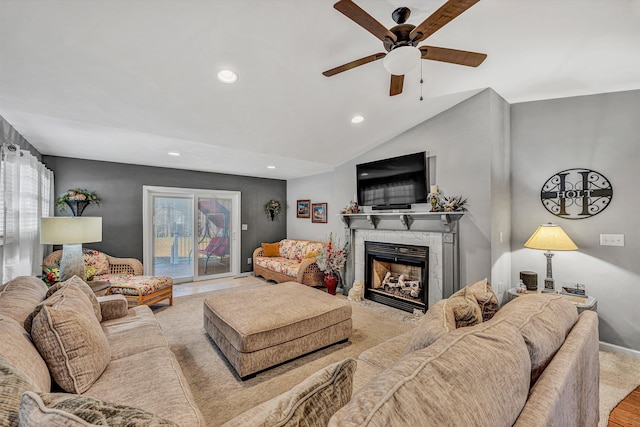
<point x="26" y="194"/>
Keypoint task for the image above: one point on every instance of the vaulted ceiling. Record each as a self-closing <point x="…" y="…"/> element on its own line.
<point x="130" y="81"/>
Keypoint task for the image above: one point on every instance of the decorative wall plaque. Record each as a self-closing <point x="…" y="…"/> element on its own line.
<point x="576" y="193"/>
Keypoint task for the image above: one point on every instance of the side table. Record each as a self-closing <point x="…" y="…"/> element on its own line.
<point x="581" y="303"/>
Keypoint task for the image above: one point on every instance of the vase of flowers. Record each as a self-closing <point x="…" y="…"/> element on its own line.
<point x="272" y="209"/>
<point x="77" y="199"/>
<point x="331" y="260"/>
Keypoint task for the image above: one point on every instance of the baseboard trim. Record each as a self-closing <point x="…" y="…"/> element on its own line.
<point x="618" y="349"/>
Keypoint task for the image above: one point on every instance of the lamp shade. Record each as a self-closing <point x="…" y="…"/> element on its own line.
<point x="401" y="60"/>
<point x="550" y="237"/>
<point x="70" y="230"/>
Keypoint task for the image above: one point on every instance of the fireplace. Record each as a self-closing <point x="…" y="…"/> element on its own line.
<point x="397" y="275"/>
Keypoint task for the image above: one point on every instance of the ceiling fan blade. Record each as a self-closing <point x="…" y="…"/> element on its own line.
<point x="396" y="85"/>
<point x="441" y="17"/>
<point x="362" y="18"/>
<point x="354" y="64"/>
<point x="453" y="56"/>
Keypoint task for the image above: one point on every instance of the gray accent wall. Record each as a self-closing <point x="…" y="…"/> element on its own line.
<point x="119" y="187"/>
<point x="599" y="132"/>
<point x="471" y="144"/>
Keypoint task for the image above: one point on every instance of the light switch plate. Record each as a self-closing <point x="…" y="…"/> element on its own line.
<point x="245" y="227"/>
<point x="612" y="240"/>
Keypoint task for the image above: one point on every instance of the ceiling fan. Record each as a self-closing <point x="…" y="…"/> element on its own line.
<point x="401" y="41"/>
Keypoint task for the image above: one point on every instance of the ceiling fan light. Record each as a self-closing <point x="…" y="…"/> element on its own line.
<point x="401" y="60"/>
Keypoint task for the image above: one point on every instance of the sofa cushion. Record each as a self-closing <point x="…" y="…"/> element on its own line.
<point x="473" y="376"/>
<point x="310" y="403"/>
<point x="437" y="322"/>
<point x="17" y="348"/>
<point x="20" y="296"/>
<point x="486" y="298"/>
<point x="71" y="410"/>
<point x="544" y="320"/>
<point x="70" y="340"/>
<point x="136" y="332"/>
<point x="13" y="382"/>
<point x="287" y="266"/>
<point x="270" y="249"/>
<point x="73" y="281"/>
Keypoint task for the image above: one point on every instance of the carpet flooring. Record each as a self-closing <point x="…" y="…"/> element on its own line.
<point x="221" y="395"/>
<point x="218" y="391"/>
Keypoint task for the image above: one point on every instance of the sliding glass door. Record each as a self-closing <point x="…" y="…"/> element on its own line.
<point x="190" y="234"/>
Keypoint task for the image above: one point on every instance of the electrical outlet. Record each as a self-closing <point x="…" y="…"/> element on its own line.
<point x="249" y="260"/>
<point x="612" y="240"/>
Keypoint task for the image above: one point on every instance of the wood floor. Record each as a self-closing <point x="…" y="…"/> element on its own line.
<point x="627" y="413"/>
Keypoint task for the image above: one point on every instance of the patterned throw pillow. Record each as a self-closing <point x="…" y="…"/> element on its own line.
<point x="97" y="260"/>
<point x="70" y="410"/>
<point x="310" y="403"/>
<point x="270" y="249"/>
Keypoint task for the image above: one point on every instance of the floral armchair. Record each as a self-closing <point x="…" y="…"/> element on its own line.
<point x="124" y="276"/>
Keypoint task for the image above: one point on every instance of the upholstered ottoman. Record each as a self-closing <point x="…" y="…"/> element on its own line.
<point x="139" y="290"/>
<point x="257" y="328"/>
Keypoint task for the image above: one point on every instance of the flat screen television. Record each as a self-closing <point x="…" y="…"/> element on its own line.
<point x="393" y="183"/>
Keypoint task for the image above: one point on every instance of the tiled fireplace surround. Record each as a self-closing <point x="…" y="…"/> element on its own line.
<point x="437" y="231"/>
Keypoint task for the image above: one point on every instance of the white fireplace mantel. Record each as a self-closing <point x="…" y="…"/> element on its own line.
<point x="443" y="223"/>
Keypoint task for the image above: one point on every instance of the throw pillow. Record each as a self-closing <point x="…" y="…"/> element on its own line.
<point x="544" y="322"/>
<point x="437" y="322"/>
<point x="69" y="410"/>
<point x="311" y="254"/>
<point x="310" y="403"/>
<point x="97" y="260"/>
<point x="74" y="281"/>
<point x="270" y="249"/>
<point x="13" y="382"/>
<point x="465" y="308"/>
<point x="476" y="376"/>
<point x="70" y="340"/>
<point x="486" y="298"/>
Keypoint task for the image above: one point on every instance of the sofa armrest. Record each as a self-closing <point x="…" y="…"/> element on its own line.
<point x="124" y="266"/>
<point x="256" y="253"/>
<point x="113" y="307"/>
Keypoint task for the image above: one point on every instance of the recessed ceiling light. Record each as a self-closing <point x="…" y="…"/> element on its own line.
<point x="271" y="167"/>
<point x="227" y="76"/>
<point x="357" y="119"/>
<point x="173" y="153"/>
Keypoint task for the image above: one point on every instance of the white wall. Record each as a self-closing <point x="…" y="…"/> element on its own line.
<point x="467" y="140"/>
<point x="599" y="132"/>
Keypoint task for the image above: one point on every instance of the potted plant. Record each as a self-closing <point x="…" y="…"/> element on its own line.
<point x="272" y="209"/>
<point x="331" y="260"/>
<point x="77" y="199"/>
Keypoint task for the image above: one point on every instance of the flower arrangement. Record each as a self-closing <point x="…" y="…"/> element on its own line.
<point x="51" y="274"/>
<point x="76" y="195"/>
<point x="272" y="209"/>
<point x="331" y="258"/>
<point x="441" y="203"/>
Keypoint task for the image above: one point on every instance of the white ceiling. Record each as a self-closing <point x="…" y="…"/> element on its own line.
<point x="129" y="81"/>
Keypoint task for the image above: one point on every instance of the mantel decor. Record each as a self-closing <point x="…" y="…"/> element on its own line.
<point x="77" y="199"/>
<point x="272" y="209"/>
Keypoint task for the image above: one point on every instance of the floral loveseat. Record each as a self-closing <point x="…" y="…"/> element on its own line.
<point x="124" y="276"/>
<point x="295" y="260"/>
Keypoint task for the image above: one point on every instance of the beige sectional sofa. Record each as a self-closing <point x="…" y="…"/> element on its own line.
<point x="112" y="361"/>
<point x="534" y="362"/>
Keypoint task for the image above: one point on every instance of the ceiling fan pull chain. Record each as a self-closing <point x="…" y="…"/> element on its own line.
<point x="421" y="81"/>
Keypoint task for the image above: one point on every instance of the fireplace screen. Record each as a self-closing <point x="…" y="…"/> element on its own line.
<point x="396" y="274"/>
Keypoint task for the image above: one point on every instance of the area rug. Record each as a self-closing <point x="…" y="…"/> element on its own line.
<point x="221" y="395"/>
<point x="218" y="391"/>
<point x="619" y="376"/>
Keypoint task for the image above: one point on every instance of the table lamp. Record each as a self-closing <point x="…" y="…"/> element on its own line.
<point x="71" y="233"/>
<point x="550" y="237"/>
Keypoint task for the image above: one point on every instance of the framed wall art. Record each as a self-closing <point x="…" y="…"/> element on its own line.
<point x="304" y="209"/>
<point x="319" y="212"/>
